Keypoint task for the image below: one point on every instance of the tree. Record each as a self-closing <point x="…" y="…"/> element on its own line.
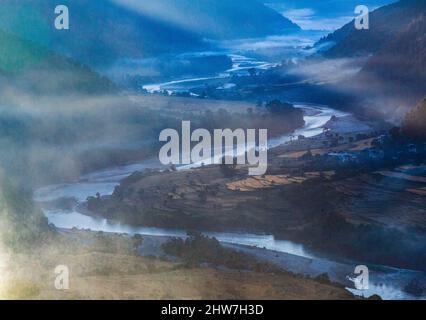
<point x="137" y="241"/>
<point x="395" y="133"/>
<point x="252" y="72"/>
<point x="278" y="107"/>
<point x="228" y="170"/>
<point x="23" y="225"/>
<point x="250" y="112"/>
<point x="307" y="156"/>
<point x="414" y="124"/>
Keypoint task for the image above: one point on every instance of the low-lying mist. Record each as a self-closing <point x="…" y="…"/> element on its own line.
<point x="364" y="93"/>
<point x="47" y="137"/>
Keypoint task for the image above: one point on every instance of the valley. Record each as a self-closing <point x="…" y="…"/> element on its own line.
<point x="101" y="169"/>
<point x="106" y="267"/>
<point x="222" y="201"/>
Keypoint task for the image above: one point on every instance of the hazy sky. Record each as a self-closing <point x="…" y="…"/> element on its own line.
<point x="324" y="14"/>
<point x="307" y="19"/>
<point x="309" y="14"/>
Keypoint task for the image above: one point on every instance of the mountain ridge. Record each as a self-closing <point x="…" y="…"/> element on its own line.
<point x="392" y="74"/>
<point x="101" y="32"/>
<point x="217" y="19"/>
<point x="28" y="67"/>
<point x="403" y="60"/>
<point x="385" y="23"/>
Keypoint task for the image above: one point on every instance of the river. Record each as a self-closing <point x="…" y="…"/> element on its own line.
<point x="387" y="282"/>
<point x="245" y="54"/>
<point x="106" y="180"/>
<point x="294" y="257"/>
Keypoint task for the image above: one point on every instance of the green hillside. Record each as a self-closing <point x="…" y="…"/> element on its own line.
<point x="31" y="68"/>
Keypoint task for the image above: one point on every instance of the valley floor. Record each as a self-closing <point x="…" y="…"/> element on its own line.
<point x="106" y="266"/>
<point x="330" y="192"/>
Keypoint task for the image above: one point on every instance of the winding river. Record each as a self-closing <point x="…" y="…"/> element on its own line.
<point x="387" y="282"/>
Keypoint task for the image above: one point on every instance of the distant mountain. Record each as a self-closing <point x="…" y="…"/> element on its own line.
<point x="100" y="31"/>
<point x="385" y="24"/>
<point x="326" y="5"/>
<point x="393" y="75"/>
<point x="103" y="31"/>
<point x="321" y="15"/>
<point x="30" y="68"/>
<point x="414" y="124"/>
<point x="216" y="19"/>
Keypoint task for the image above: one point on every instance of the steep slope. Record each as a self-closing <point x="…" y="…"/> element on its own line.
<point x="216" y="19"/>
<point x="22" y="224"/>
<point x="31" y="68"/>
<point x="103" y="31"/>
<point x="321" y="15"/>
<point x="403" y="60"/>
<point x="385" y="23"/>
<point x="414" y="124"/>
<point x="100" y="31"/>
<point x="325" y="6"/>
<point x="392" y="75"/>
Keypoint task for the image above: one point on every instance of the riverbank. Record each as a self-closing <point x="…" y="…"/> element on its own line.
<point x="104" y="180"/>
<point x="277" y="207"/>
<point x="214" y="198"/>
<point x="107" y="267"/>
<point x="388" y="283"/>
